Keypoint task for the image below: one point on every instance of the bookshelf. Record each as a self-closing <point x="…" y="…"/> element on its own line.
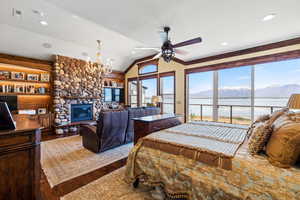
<point x="32" y="85"/>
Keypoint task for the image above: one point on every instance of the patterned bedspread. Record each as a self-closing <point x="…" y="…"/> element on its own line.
<point x="251" y="177"/>
<point x="208" y="143"/>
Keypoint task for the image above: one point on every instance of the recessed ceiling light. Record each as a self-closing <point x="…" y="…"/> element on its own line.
<point x="133" y="52"/>
<point x="44" y="23"/>
<point x="224" y="43"/>
<point x="269" y="17"/>
<point x="47" y="45"/>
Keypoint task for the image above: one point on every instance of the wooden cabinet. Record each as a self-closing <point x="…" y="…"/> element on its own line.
<point x="20" y="162"/>
<point x="143" y="126"/>
<point x="44" y="120"/>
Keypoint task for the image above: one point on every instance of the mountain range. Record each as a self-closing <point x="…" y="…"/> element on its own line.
<point x="271" y="91"/>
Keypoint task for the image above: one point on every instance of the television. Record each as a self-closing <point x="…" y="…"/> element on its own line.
<point x="12" y="102"/>
<point x="6" y="120"/>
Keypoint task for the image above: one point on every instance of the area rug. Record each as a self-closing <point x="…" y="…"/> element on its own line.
<point x="110" y="187"/>
<point x="65" y="158"/>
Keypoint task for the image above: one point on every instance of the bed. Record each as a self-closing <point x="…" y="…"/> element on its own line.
<point x="187" y="169"/>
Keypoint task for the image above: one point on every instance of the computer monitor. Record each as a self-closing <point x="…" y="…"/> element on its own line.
<point x="6" y="120"/>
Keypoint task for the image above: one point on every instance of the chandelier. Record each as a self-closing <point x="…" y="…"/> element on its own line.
<point x="98" y="64"/>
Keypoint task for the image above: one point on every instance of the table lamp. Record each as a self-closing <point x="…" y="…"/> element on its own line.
<point x="294" y="102"/>
<point x="156" y="99"/>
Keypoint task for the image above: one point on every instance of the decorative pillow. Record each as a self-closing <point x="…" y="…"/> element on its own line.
<point x="283" y="147"/>
<point x="259" y="137"/>
<point x="286" y="118"/>
<point x="277" y="114"/>
<point x="261" y="118"/>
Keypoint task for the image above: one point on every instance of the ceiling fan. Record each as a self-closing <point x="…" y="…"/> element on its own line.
<point x="168" y="50"/>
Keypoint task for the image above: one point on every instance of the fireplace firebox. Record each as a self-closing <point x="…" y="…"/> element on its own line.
<point x="81" y="112"/>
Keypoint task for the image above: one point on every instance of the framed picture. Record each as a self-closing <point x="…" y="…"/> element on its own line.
<point x="4" y="75"/>
<point x="18" y="75"/>
<point x="42" y="111"/>
<point x="45" y="77"/>
<point x="30" y="89"/>
<point x="32" y="77"/>
<point x="41" y="90"/>
<point x="19" y="88"/>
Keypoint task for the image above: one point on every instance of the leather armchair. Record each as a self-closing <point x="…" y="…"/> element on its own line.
<point x="109" y="133"/>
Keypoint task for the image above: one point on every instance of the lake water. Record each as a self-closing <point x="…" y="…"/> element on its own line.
<point x="243" y="112"/>
<point x="224" y="111"/>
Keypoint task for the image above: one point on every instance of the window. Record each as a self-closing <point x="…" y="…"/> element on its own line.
<point x="239" y="95"/>
<point x="274" y="84"/>
<point x="148" y="88"/>
<point x="234" y="95"/>
<point x="133" y="93"/>
<point x="200" y="98"/>
<point x="107" y="94"/>
<point x="148" y="67"/>
<point x="167" y="92"/>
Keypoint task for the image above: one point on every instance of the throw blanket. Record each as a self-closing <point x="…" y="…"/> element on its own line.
<point x="210" y="143"/>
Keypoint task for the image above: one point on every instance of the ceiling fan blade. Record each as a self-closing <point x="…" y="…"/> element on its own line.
<point x="188" y="42"/>
<point x="181" y="52"/>
<point x="157" y="55"/>
<point x="148" y="48"/>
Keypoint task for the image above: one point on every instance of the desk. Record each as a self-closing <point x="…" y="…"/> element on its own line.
<point x="143" y="126"/>
<point x="20" y="161"/>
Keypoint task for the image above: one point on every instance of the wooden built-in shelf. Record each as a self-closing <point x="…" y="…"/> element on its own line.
<point x="24" y="81"/>
<point x="17" y="93"/>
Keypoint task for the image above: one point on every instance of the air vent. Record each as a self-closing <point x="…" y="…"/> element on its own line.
<point x="16" y="13"/>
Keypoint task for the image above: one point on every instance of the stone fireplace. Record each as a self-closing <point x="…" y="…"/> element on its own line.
<point x="75" y="83"/>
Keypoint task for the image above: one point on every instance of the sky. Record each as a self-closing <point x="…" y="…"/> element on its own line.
<point x="268" y="74"/>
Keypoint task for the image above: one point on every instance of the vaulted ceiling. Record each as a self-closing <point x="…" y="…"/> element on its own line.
<point x="74" y="26"/>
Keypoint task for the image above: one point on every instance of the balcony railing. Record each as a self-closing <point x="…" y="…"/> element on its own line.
<point x="231" y="108"/>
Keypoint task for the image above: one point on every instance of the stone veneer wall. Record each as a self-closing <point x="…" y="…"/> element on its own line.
<point x="75" y="83"/>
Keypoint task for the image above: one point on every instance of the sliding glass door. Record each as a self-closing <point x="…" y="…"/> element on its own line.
<point x="274" y="84"/>
<point x="148" y="88"/>
<point x="200" y="96"/>
<point x="167" y="92"/>
<point x="239" y="95"/>
<point x="133" y="93"/>
<point x="234" y="95"/>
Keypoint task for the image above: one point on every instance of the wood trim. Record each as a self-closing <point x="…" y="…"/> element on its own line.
<point x="148" y="77"/>
<point x="171" y="73"/>
<point x="138" y="61"/>
<point x="265" y="47"/>
<point x="249" y="61"/>
<point x="26" y="62"/>
<point x="255" y="49"/>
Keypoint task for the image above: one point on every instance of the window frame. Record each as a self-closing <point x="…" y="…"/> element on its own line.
<point x="167" y="74"/>
<point x="147" y="63"/>
<point x="235" y="64"/>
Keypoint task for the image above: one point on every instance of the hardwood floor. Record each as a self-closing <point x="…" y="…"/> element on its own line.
<point x="62" y="189"/>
